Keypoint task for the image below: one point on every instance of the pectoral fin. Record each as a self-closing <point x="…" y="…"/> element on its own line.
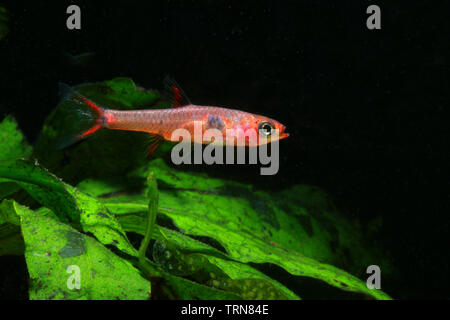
<point x="155" y="142"/>
<point x="215" y="122"/>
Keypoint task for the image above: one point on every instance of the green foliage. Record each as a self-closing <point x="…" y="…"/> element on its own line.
<point x="12" y="141"/>
<point x="96" y="157"/>
<point x="11" y="242"/>
<point x="202" y="237"/>
<point x="4" y="19"/>
<point x="53" y="247"/>
<point x="67" y="202"/>
<point x="203" y="206"/>
<point x="12" y="146"/>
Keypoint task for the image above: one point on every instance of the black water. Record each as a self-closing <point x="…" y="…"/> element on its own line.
<point x="365" y="108"/>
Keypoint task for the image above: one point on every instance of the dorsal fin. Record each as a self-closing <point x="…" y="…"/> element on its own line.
<point x="174" y="93"/>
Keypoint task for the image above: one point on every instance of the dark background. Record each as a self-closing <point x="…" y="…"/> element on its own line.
<point x="365" y="108"/>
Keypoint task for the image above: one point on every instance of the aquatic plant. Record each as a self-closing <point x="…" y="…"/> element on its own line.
<point x="4" y="18"/>
<point x="139" y="229"/>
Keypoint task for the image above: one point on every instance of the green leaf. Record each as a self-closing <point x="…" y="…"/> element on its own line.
<point x="11" y="242"/>
<point x="54" y="250"/>
<point x="252" y="283"/>
<point x="67" y="202"/>
<point x="4" y="19"/>
<point x="12" y="146"/>
<point x="178" y="255"/>
<point x="185" y="260"/>
<point x="183" y="289"/>
<point x="219" y="273"/>
<point x="178" y="286"/>
<point x="251" y="226"/>
<point x="248" y="248"/>
<point x="12" y="141"/>
<point x="8" y="214"/>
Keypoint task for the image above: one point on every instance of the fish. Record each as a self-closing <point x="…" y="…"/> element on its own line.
<point x="161" y="123"/>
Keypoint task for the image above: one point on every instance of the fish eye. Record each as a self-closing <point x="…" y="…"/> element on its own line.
<point x="265" y="128"/>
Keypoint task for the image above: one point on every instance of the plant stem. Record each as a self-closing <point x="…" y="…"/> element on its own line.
<point x="153" y="196"/>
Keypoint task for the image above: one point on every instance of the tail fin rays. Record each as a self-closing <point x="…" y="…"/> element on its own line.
<point x="87" y="117"/>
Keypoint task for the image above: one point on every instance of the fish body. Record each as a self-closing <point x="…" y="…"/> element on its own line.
<point x="164" y="122"/>
<point x="194" y="119"/>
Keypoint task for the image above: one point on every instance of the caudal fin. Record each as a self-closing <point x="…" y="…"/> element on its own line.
<point x="85" y="116"/>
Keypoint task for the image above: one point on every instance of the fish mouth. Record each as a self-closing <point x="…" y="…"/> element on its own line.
<point x="284" y="135"/>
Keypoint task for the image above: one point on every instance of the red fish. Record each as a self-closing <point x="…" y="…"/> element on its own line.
<point x="161" y="123"/>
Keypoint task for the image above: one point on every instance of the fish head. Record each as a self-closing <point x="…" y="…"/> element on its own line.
<point x="269" y="130"/>
<point x="255" y="130"/>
